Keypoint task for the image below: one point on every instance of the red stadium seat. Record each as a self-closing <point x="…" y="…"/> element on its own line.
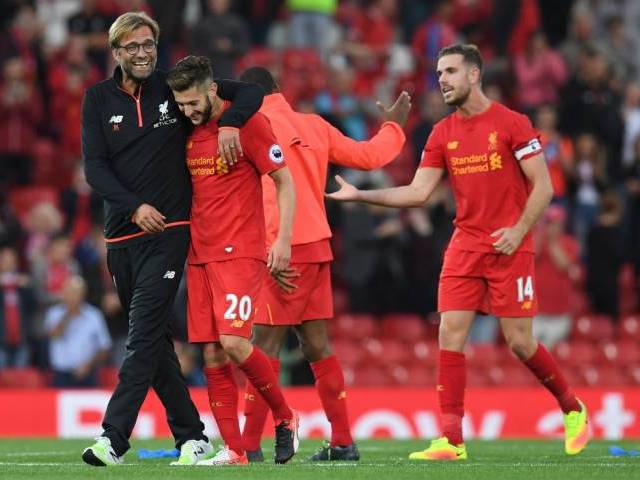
<point x="355" y="326"/>
<point x="425" y="353"/>
<point x="506" y="357"/>
<point x="621" y="353"/>
<point x="576" y="354"/>
<point x="482" y="355"/>
<point x="573" y="376"/>
<point x="372" y="376"/>
<point x="633" y="372"/>
<point x="385" y="352"/>
<point x="421" y="376"/>
<point x="403" y="326"/>
<point x="629" y="327"/>
<point x="628" y="352"/>
<point x="478" y="377"/>
<point x="348" y="352"/>
<point x="399" y="374"/>
<point x="22" y="378"/>
<point x="593" y="328"/>
<point x="607" y="376"/>
<point x="395" y="352"/>
<point x="511" y="376"/>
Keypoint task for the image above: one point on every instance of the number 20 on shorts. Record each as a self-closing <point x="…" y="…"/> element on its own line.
<point x="525" y="288"/>
<point x="238" y="307"/>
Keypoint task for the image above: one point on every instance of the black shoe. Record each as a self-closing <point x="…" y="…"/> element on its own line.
<point x="286" y="439"/>
<point x="322" y="454"/>
<point x="338" y="453"/>
<point x="348" y="453"/>
<point x="255" y="455"/>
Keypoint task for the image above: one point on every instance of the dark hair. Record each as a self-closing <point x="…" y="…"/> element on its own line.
<point x="470" y="53"/>
<point x="189" y="71"/>
<point x="262" y="77"/>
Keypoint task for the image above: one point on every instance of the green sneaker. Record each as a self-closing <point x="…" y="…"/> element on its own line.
<point x="194" y="451"/>
<point x="576" y="430"/>
<point x="101" y="454"/>
<point x="441" y="449"/>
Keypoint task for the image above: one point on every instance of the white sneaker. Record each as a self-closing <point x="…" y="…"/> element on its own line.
<point x="194" y="451"/>
<point x="226" y="456"/>
<point x="101" y="454"/>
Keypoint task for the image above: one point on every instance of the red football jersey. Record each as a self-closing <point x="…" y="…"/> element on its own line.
<point x="481" y="154"/>
<point x="227" y="217"/>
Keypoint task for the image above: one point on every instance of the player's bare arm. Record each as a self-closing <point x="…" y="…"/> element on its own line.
<point x="415" y="194"/>
<point x="508" y="239"/>
<point x="280" y="252"/>
<point x="398" y="112"/>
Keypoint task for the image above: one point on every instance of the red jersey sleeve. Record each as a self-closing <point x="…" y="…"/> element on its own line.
<point x="260" y="145"/>
<point x="433" y="153"/>
<point x="524" y="139"/>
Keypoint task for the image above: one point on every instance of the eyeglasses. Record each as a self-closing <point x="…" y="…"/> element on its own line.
<point x="132" y="48"/>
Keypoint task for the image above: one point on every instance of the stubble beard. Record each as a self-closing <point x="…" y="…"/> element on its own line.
<point x="459" y="100"/>
<point x="127" y="67"/>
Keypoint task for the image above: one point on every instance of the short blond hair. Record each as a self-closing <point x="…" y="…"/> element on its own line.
<point x="127" y="23"/>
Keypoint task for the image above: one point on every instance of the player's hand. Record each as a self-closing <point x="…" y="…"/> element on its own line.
<point x="229" y="146"/>
<point x="347" y="192"/>
<point x="284" y="278"/>
<point x="398" y="112"/>
<point x="279" y="256"/>
<point x="508" y="239"/>
<point x="149" y="219"/>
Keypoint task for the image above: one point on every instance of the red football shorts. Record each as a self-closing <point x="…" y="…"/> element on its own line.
<point x="502" y="285"/>
<point x="222" y="298"/>
<point x="312" y="300"/>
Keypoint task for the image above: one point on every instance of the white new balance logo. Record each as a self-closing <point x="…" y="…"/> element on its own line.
<point x="169" y="274"/>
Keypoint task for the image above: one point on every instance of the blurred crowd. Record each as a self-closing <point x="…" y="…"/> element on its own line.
<point x="572" y="66"/>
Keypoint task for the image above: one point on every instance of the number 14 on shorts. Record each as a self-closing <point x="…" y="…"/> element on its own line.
<point x="525" y="288"/>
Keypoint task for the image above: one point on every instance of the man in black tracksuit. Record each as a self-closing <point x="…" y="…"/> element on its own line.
<point x="133" y="141"/>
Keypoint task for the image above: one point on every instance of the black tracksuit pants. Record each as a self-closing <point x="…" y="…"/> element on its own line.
<point x="147" y="276"/>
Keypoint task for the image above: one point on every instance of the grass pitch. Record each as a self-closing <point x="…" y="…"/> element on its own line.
<point x="380" y="459"/>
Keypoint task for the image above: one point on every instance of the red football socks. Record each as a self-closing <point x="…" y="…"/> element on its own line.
<point x="451" y="384"/>
<point x="223" y="399"/>
<point x="545" y="368"/>
<point x="330" y="386"/>
<point x="258" y="370"/>
<point x="256" y="411"/>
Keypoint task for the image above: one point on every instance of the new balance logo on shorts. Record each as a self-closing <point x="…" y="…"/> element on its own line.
<point x="169" y="274"/>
